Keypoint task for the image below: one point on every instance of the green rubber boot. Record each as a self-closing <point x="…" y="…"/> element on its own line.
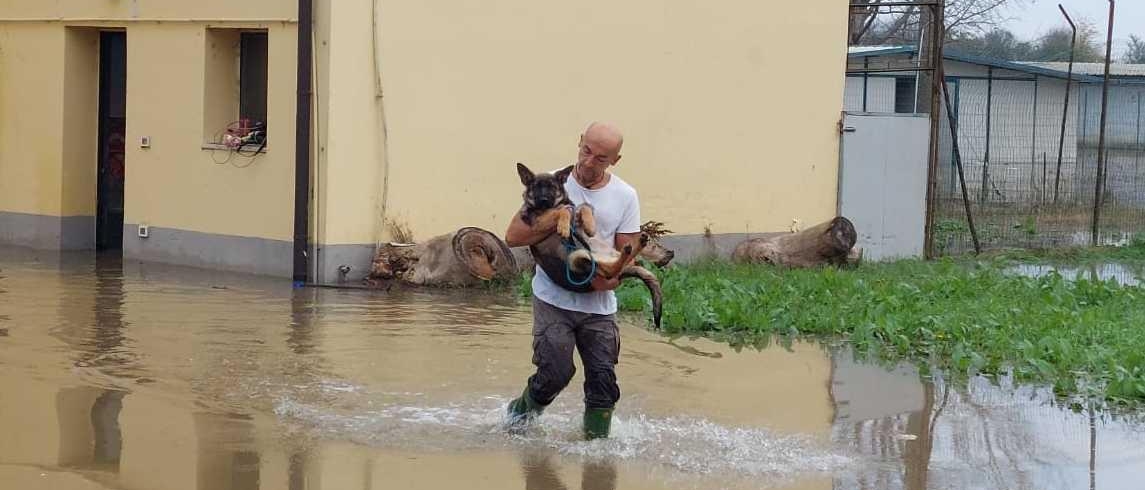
<point x="597" y="422"/>
<point x="521" y="411"/>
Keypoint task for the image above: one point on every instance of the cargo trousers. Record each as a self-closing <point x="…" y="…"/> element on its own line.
<point x="556" y="332"/>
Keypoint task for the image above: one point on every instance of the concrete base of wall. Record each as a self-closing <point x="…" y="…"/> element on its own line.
<point x="244" y="254"/>
<point x="332" y="257"/>
<point x="208" y="250"/>
<point x="259" y="255"/>
<point x="47" y="232"/>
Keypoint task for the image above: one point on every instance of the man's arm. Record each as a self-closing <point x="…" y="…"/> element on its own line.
<point x="520" y="234"/>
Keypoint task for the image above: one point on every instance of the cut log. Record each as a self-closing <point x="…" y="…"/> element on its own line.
<point x="832" y="242"/>
<point x="466" y="257"/>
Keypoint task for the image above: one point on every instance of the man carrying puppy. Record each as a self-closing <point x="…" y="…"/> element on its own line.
<point x="563" y="319"/>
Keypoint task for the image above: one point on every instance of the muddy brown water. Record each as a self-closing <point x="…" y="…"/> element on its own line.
<point x="121" y="375"/>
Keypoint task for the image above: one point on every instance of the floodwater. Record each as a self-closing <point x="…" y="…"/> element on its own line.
<point x="1122" y="274"/>
<point x="141" y="376"/>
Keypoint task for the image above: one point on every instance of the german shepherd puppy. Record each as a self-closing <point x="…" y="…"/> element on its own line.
<point x="546" y="202"/>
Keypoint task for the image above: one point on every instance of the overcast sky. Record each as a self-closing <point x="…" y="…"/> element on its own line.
<point x="1028" y="18"/>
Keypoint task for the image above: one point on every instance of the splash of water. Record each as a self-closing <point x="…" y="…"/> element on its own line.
<point x="685" y="444"/>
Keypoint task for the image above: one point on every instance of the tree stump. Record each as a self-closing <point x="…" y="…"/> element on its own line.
<point x="832" y="242"/>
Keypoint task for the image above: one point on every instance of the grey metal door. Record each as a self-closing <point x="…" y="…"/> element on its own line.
<point x="882" y="182"/>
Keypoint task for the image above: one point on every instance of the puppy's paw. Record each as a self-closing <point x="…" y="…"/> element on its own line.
<point x="587" y="220"/>
<point x="564" y="224"/>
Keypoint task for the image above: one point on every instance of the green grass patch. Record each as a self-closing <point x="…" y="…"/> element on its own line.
<point x="1083" y="337"/>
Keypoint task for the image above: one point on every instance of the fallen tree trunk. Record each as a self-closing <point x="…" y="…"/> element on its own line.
<point x="832" y="242"/>
<point x="467" y="257"/>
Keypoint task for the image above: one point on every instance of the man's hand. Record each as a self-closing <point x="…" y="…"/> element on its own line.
<point x="602" y="284"/>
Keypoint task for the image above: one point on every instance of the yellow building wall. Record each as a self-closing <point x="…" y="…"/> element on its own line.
<point x="149" y="9"/>
<point x="730" y="111"/>
<point x="31" y="105"/>
<point x="176" y="183"/>
<point x="350" y="171"/>
<point x="79" y="166"/>
<point x="49" y="102"/>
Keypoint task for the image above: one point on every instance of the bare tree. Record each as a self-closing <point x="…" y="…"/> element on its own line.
<point x="1135" y="52"/>
<point x="874" y="23"/>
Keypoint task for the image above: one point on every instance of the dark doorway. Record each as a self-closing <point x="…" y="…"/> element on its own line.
<point x="112" y="126"/>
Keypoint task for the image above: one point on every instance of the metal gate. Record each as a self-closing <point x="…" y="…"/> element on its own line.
<point x="882" y="182"/>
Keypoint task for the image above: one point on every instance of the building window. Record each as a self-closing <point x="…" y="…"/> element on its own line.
<point x="904" y="95"/>
<point x="235" y="76"/>
<point x="252" y="76"/>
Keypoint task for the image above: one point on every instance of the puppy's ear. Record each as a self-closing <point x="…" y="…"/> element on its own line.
<point x="562" y="175"/>
<point x="526" y="174"/>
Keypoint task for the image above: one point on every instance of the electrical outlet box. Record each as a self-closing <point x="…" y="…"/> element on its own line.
<point x="143" y="231"/>
<point x="145" y="142"/>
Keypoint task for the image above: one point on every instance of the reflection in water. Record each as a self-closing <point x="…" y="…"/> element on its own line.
<point x="992" y="435"/>
<point x="541" y="473"/>
<point x="303" y="309"/>
<point x="297" y="471"/>
<point x="1124" y="274"/>
<point x="260" y="386"/>
<point x="108" y="443"/>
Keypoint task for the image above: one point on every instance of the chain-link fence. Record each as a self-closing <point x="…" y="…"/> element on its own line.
<point x="1029" y="185"/>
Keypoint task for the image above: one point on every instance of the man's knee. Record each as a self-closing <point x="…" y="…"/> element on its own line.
<point x="600" y="388"/>
<point x="555" y="369"/>
<point x="549" y="381"/>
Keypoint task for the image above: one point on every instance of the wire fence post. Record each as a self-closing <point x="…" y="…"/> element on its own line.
<point x="984" y="191"/>
<point x="937" y="81"/>
<point x="1098" y="194"/>
<point x="1037" y="193"/>
<point x="1065" y="106"/>
<point x="958" y="164"/>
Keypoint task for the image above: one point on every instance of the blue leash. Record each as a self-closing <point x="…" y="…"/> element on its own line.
<point x="571" y="246"/>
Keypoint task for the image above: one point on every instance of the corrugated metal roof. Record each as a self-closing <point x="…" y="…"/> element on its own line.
<point x="1092" y="69"/>
<point x="1084" y="72"/>
<point x="869" y="50"/>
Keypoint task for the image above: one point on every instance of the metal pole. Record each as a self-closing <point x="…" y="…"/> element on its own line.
<point x="866" y="76"/>
<point x="961" y="175"/>
<point x="301" y="270"/>
<point x="937" y="81"/>
<point x="1065" y="108"/>
<point x="984" y="193"/>
<point x="1034" y="141"/>
<point x="1099" y="185"/>
<point x="918" y="74"/>
<point x="1137" y="143"/>
<point x="957" y="117"/>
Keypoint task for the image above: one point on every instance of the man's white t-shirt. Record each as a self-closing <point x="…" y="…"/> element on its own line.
<point x="617" y="210"/>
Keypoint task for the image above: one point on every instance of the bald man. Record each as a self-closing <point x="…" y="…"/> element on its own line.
<point x="563" y="319"/>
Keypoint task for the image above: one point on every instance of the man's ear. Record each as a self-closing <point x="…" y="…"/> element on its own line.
<point x="563" y="174"/>
<point x="527" y="175"/>
<point x="617" y="160"/>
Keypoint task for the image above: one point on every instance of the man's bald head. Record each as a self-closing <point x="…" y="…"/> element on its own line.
<point x="599" y="149"/>
<point x="606" y="135"/>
